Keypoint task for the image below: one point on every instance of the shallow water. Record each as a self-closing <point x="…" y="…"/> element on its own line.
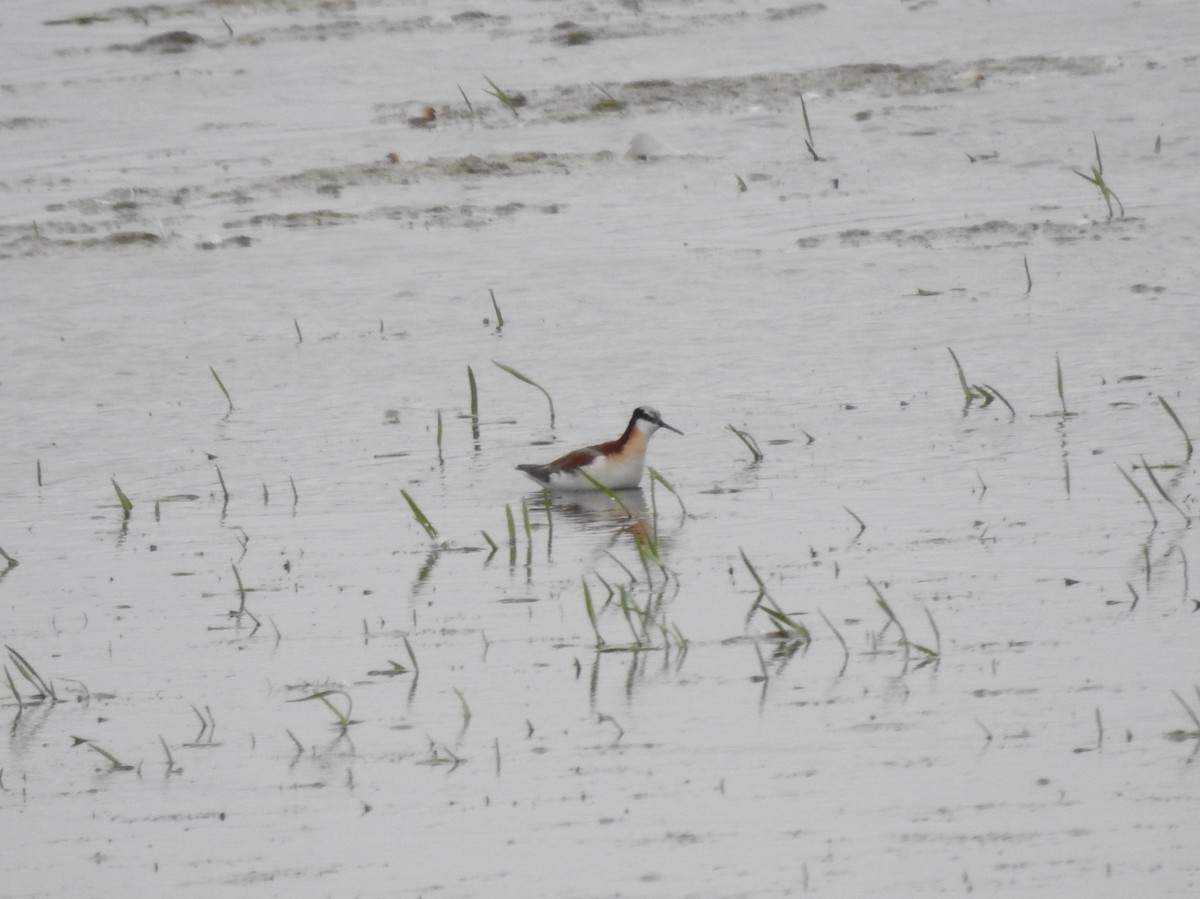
<point x="232" y="207"/>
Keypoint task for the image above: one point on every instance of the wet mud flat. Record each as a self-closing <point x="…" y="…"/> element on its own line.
<point x="280" y="615"/>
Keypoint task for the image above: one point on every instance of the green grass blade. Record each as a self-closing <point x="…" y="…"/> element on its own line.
<point x="126" y="505"/>
<point x="1000" y="396"/>
<point x="1187" y="708"/>
<point x="591" y="613"/>
<point x="419" y="515"/>
<point x="968" y="393"/>
<point x="441" y="461"/>
<point x="1141" y="495"/>
<point x="27" y="671"/>
<point x="808" y="143"/>
<point x="528" y="380"/>
<point x="840" y="639"/>
<point x="609" y="492"/>
<point x="883" y="604"/>
<point x="503" y="97"/>
<point x="241" y="589"/>
<point x="787" y="623"/>
<point x="1058" y="377"/>
<point x="862" y="525"/>
<point x="221" y="384"/>
<point x="753" y="573"/>
<point x="937" y="634"/>
<point x="113" y="760"/>
<point x="1178" y="424"/>
<point x="749" y="441"/>
<point x="1161" y="491"/>
<point x="412" y="656"/>
<point x="549" y="520"/>
<point x="470" y="108"/>
<point x="496" y="306"/>
<point x="15" y="692"/>
<point x="474" y="394"/>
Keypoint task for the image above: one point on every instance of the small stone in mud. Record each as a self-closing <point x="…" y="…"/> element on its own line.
<point x="171" y="42"/>
<point x="571" y="35"/>
<point x="127" y="237"/>
<point x="218" y="243"/>
<point x="473" y="165"/>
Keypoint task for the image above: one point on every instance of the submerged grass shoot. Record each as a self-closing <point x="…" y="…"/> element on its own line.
<point x="241" y="588"/>
<point x="591" y="613"/>
<point x="502" y="96"/>
<point x="412" y="656"/>
<point x="1058" y="378"/>
<point x="892" y="619"/>
<point x="785" y="624"/>
<point x="609" y="492"/>
<point x="474" y="394"/>
<point x="1096" y="178"/>
<point x="1141" y="495"/>
<point x="862" y="525"/>
<point x="496" y="306"/>
<point x="126" y="505"/>
<point x="45" y="688"/>
<point x="343" y="717"/>
<point x="764" y="674"/>
<point x="467" y="100"/>
<point x="528" y="380"/>
<point x="656" y="477"/>
<point x="1161" y="491"/>
<point x="972" y="392"/>
<point x="608" y="103"/>
<point x="1012" y="413"/>
<point x="117" y="764"/>
<point x="466" y="709"/>
<point x="808" y="140"/>
<point x="419" y="515"/>
<point x="171" y="769"/>
<point x="525" y="521"/>
<point x="969" y="395"/>
<point x="490" y="542"/>
<point x="441" y="461"/>
<point x="1165" y="405"/>
<point x="1187" y="708"/>
<point x="840" y="639"/>
<point x="749" y="441"/>
<point x="221" y="384"/>
<point x="762" y="588"/>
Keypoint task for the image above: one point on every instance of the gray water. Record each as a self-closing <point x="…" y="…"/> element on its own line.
<point x="231" y="208"/>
